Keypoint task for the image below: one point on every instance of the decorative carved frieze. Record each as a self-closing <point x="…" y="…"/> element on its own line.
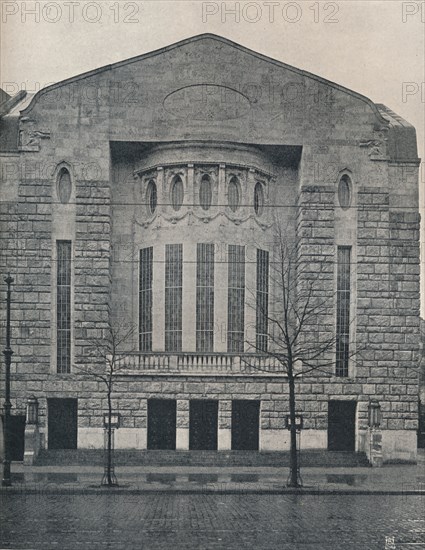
<point x="377" y="148"/>
<point x="30" y="137"/>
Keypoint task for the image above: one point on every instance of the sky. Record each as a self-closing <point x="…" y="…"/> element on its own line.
<point x="373" y="47"/>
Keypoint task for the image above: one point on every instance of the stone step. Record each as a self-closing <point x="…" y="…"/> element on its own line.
<point x="309" y="458"/>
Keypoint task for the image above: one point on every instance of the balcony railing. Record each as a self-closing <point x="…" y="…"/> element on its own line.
<point x="198" y="364"/>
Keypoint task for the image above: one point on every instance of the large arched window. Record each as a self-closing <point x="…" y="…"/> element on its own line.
<point x="344" y="192"/>
<point x="205" y="192"/>
<point x="151" y="197"/>
<point x="233" y="194"/>
<point x="177" y="193"/>
<point x="258" y="199"/>
<point x="64" y="186"/>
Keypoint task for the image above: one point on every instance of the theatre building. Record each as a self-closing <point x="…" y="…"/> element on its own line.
<point x="146" y="194"/>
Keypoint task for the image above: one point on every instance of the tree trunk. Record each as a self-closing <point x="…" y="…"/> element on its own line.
<point x="293" y="456"/>
<point x="109" y="446"/>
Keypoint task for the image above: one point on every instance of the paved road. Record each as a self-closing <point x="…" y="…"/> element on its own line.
<point x="155" y="521"/>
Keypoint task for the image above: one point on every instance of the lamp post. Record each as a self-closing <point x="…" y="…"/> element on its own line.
<point x="6" y="481"/>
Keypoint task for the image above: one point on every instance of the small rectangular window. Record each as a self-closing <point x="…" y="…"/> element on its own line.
<point x="205" y="297"/>
<point x="262" y="305"/>
<point x="236" y="299"/>
<point x="145" y="299"/>
<point x="173" y="296"/>
<point x="343" y="310"/>
<point x="63" y="307"/>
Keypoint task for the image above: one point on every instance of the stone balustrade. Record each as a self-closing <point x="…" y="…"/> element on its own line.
<point x="198" y="364"/>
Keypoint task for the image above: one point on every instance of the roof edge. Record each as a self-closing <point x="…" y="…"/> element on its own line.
<point x="196" y="38"/>
<point x="8" y="105"/>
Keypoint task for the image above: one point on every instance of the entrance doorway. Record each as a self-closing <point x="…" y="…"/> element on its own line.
<point x="62" y="423"/>
<point x="203" y="420"/>
<point x="341" y="425"/>
<point x="162" y="424"/>
<point x="245" y="425"/>
<point x="17" y="436"/>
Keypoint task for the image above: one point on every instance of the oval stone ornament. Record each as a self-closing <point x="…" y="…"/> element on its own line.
<point x="207" y="102"/>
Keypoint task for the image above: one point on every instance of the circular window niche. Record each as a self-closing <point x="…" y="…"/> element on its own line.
<point x="205" y="192"/>
<point x="177" y="193"/>
<point x="258" y="199"/>
<point x="233" y="194"/>
<point x="151" y="197"/>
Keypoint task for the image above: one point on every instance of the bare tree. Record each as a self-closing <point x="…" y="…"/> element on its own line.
<point x="300" y="306"/>
<point x="103" y="356"/>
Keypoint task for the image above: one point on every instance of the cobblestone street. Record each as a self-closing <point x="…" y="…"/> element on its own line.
<point x="128" y="521"/>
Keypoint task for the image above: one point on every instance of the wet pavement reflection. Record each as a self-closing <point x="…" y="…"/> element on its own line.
<point x="210" y="521"/>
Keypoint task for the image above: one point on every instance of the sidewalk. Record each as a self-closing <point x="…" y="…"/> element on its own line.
<point x="390" y="479"/>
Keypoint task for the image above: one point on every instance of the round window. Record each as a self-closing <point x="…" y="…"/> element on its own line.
<point x="64" y="186"/>
<point x="177" y="193"/>
<point x="151" y="197"/>
<point x="205" y="193"/>
<point x="233" y="194"/>
<point x="344" y="192"/>
<point x="258" y="199"/>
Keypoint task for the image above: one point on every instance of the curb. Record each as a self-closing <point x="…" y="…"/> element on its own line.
<point x="89" y="490"/>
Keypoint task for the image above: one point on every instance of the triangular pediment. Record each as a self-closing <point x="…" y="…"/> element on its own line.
<point x="205" y="47"/>
<point x="209" y="88"/>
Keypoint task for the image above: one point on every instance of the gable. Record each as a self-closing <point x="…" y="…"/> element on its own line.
<point x="210" y="88"/>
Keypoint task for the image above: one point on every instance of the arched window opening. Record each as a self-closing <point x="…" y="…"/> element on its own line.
<point x="344" y="192"/>
<point x="151" y="197"/>
<point x="64" y="186"/>
<point x="177" y="193"/>
<point x="205" y="192"/>
<point x="233" y="194"/>
<point x="258" y="199"/>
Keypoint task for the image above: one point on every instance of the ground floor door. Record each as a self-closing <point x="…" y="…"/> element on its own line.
<point x="62" y="423"/>
<point x="162" y="424"/>
<point x="203" y="421"/>
<point x="341" y="425"/>
<point x="17" y="436"/>
<point x="245" y="425"/>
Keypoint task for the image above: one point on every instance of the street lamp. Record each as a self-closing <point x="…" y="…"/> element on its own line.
<point x="375" y="434"/>
<point x="299" y="422"/>
<point x="6" y="481"/>
<point x="115" y="420"/>
<point x="32" y="410"/>
<point x="374" y="414"/>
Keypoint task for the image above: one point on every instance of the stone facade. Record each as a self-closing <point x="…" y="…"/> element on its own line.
<point x="209" y="106"/>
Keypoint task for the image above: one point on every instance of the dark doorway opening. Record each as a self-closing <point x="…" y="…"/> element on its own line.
<point x="203" y="419"/>
<point x="162" y="424"/>
<point x="341" y="425"/>
<point x="245" y="425"/>
<point x="62" y="423"/>
<point x="17" y="437"/>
